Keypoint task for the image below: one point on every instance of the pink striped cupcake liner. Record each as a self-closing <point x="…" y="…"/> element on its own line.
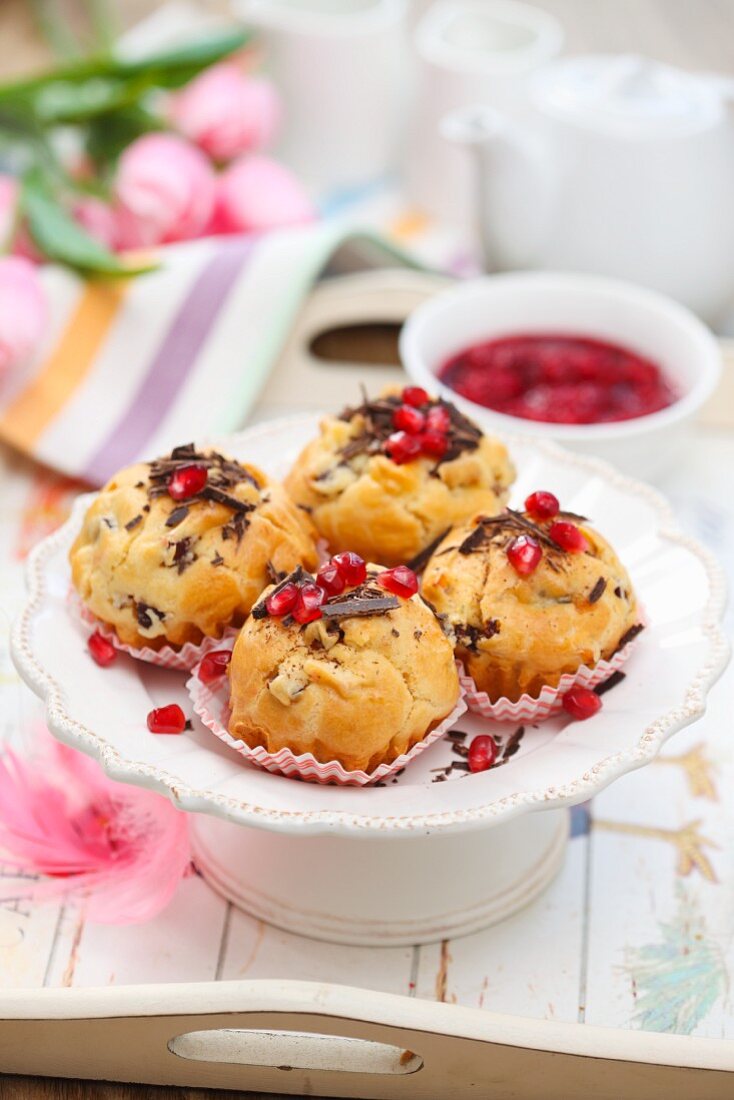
<point x="211" y="704"/>
<point x="550" y="701"/>
<point x="179" y="660"/>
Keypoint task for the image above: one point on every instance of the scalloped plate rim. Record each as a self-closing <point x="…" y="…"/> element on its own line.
<point x="320" y="822"/>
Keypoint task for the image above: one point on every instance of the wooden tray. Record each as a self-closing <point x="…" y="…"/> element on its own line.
<point x="644" y="901"/>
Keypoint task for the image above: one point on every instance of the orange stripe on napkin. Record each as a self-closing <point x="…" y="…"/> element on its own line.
<point x="25" y="419"/>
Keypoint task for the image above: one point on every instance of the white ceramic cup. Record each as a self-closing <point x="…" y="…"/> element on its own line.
<point x="339" y="66"/>
<point x="467" y="51"/>
<point x="607" y="309"/>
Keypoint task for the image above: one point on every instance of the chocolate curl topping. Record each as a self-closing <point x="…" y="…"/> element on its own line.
<point x="507" y="525"/>
<point x="462" y="434"/>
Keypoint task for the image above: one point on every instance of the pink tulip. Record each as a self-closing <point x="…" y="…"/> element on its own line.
<point x="165" y="188"/>
<point x="256" y="194"/>
<point x="99" y="220"/>
<point x="8" y="207"/>
<point x="226" y="113"/>
<point x="22" y="310"/>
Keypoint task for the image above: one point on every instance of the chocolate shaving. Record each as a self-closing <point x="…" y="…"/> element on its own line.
<point x="511" y="746"/>
<point x="236" y="527"/>
<point x="183" y="554"/>
<point x="598" y="590"/>
<point x="217" y="559"/>
<point x="469" y="636"/>
<point x="177" y="515"/>
<point x="628" y="636"/>
<point x="358" y="605"/>
<point x="420" y="561"/>
<point x="144" y="611"/>
<point x="607" y="685"/>
<point x="211" y="492"/>
<point x="133" y="523"/>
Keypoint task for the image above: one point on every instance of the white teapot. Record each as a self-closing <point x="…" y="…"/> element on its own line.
<point x="621" y="166"/>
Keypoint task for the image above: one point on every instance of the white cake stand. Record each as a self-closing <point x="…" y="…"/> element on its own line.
<point x="416" y="860"/>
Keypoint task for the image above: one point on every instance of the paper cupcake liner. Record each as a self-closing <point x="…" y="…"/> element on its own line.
<point x="211" y="704"/>
<point x="550" y="701"/>
<point x="180" y="660"/>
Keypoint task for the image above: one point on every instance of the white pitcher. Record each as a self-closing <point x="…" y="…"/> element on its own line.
<point x="340" y="67"/>
<point x="467" y="50"/>
<point x="625" y="167"/>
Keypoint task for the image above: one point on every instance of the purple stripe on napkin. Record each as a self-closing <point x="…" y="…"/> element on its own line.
<point x="173" y="362"/>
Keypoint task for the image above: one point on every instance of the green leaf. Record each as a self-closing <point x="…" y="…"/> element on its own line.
<point x="107" y="137"/>
<point x="61" y="239"/>
<point x="168" y="69"/>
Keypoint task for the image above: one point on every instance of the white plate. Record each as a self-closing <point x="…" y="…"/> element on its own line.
<point x="677" y="659"/>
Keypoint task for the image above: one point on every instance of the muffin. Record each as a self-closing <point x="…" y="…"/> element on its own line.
<point x="530" y="596"/>
<point x="389" y="477"/>
<point x="359" y="675"/>
<point x="180" y="548"/>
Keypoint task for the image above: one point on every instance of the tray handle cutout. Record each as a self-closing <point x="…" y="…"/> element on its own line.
<point x="287" y="1050"/>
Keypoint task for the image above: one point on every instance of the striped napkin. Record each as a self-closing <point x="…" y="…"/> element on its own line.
<point x="130" y="368"/>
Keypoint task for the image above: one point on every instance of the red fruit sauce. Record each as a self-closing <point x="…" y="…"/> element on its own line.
<point x="559" y="379"/>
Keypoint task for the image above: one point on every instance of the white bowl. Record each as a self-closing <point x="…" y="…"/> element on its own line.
<point x="584" y="305"/>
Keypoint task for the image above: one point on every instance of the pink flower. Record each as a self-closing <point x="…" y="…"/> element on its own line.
<point x="225" y="112"/>
<point x="165" y="188"/>
<point x="23" y="310"/>
<point x="99" y="220"/>
<point x="121" y="849"/>
<point x="8" y="207"/>
<point x="257" y="193"/>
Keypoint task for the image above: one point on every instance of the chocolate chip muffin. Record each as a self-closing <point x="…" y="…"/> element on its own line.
<point x="388" y="477"/>
<point x="530" y="596"/>
<point x="358" y="671"/>
<point x="176" y="550"/>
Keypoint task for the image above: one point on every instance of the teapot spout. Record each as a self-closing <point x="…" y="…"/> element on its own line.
<point x="513" y="184"/>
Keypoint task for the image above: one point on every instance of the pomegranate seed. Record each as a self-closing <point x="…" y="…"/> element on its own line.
<point x="214" y="665"/>
<point x="524" y="555"/>
<point x="542" y="505"/>
<point x="101" y="649"/>
<point x="409" y="419"/>
<point x="402" y="447"/>
<point x="170" y="719"/>
<point x="434" y="443"/>
<point x="482" y="753"/>
<point x="568" y="537"/>
<point x="401" y="581"/>
<point x="581" y="703"/>
<point x="281" y="602"/>
<point x="308" y="604"/>
<point x="187" y="482"/>
<point x="331" y="578"/>
<point x="415" y="396"/>
<point x="351" y="567"/>
<point x="438" y="419"/>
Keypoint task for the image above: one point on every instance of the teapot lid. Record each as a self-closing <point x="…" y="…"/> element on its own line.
<point x="628" y="96"/>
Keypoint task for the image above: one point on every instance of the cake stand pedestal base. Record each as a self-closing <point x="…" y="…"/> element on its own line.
<point x="382" y="890"/>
